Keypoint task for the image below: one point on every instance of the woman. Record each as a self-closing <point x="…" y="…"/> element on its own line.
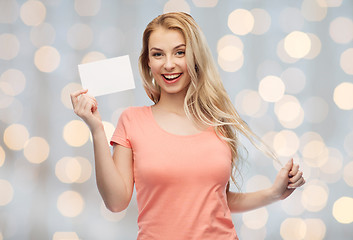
<point x="180" y="152"/>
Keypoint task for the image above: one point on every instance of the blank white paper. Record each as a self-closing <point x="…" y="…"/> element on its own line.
<point x="107" y="76"/>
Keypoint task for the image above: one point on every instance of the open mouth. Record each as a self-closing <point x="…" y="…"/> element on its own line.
<point x="171" y="77"/>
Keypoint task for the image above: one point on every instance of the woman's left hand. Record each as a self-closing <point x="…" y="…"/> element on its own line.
<point x="288" y="179"/>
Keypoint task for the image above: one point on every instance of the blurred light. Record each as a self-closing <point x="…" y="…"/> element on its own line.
<point x="231" y="66"/>
<point x="247" y="233"/>
<point x="65" y="93"/>
<point x="230" y="40"/>
<point x="330" y="3"/>
<point x="341" y="30"/>
<point x="308" y="137"/>
<point x="241" y="21"/>
<point x="68" y="170"/>
<point x="271" y="88"/>
<point x="315" y="229"/>
<point x="291" y="19"/>
<point x="86" y="169"/>
<point x="343" y="210"/>
<point x="348" y="174"/>
<point x="293" y="228"/>
<point x="315" y="47"/>
<point x="230" y="53"/>
<point x="1" y="236"/>
<point x="334" y="163"/>
<point x="283" y="55"/>
<point x="297" y="44"/>
<point x="65" y="236"/>
<point x="294" y="79"/>
<point x="316" y="109"/>
<point x="33" y="12"/>
<point x="70" y="204"/>
<point x="15" y="82"/>
<point x="11" y="113"/>
<point x="92" y="57"/>
<point x="47" y="59"/>
<point x="87" y="7"/>
<point x="268" y="138"/>
<point x="286" y="143"/>
<point x="315" y="153"/>
<point x="112" y="216"/>
<point x="262" y="21"/>
<point x="256" y="219"/>
<point x="176" y="6"/>
<point x="230" y="61"/>
<point x="76" y="133"/>
<point x="80" y="36"/>
<point x="9" y="46"/>
<point x="348" y="144"/>
<point x="343" y="95"/>
<point x="205" y="3"/>
<point x="250" y="103"/>
<point x="36" y="150"/>
<point x="15" y="136"/>
<point x="258" y="182"/>
<point x="287" y="109"/>
<point x="289" y="112"/>
<point x="346" y="61"/>
<point x="73" y="170"/>
<point x="8" y="11"/>
<point x="5" y="100"/>
<point x="6" y="190"/>
<point x="2" y="156"/>
<point x="292" y="205"/>
<point x="312" y="11"/>
<point x="267" y="68"/>
<point x="314" y="196"/>
<point x="43" y="34"/>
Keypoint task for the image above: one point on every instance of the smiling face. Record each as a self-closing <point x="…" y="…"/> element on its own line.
<point x="167" y="61"/>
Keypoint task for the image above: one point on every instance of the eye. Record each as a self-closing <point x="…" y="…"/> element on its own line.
<point x="156" y="54"/>
<point x="180" y="53"/>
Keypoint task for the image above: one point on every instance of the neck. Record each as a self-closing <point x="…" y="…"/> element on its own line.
<point x="172" y="103"/>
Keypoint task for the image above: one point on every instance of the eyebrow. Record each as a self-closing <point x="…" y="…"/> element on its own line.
<point x="158" y="49"/>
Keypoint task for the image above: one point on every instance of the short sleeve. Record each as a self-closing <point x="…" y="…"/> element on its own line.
<point x="121" y="133"/>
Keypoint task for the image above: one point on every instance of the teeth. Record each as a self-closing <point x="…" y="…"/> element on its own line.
<point x="171" y="76"/>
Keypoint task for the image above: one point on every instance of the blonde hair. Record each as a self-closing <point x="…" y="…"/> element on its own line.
<point x="206" y="101"/>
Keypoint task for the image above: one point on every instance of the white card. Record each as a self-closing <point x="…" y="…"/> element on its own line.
<point x="107" y="76"/>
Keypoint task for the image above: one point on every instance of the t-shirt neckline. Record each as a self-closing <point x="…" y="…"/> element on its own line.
<point x="159" y="128"/>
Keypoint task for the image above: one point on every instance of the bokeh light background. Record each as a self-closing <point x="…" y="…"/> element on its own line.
<point x="287" y="66"/>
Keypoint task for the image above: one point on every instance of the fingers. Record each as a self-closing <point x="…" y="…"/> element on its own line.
<point x="300" y="182"/>
<point x="83" y="103"/>
<point x="294" y="170"/>
<point x="296" y="178"/>
<point x="289" y="165"/>
<point x="74" y="96"/>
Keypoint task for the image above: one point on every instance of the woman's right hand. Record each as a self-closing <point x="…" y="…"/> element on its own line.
<point x="86" y="107"/>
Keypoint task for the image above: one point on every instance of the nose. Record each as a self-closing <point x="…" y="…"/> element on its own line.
<point x="169" y="63"/>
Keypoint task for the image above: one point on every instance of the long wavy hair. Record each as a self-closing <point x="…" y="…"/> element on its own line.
<point x="206" y="101"/>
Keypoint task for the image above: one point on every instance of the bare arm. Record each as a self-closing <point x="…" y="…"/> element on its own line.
<point x="287" y="180"/>
<point x="114" y="174"/>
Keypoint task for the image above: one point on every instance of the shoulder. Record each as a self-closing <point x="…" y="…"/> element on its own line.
<point x="134" y="112"/>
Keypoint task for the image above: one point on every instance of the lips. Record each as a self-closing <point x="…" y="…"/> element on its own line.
<point x="171" y="78"/>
